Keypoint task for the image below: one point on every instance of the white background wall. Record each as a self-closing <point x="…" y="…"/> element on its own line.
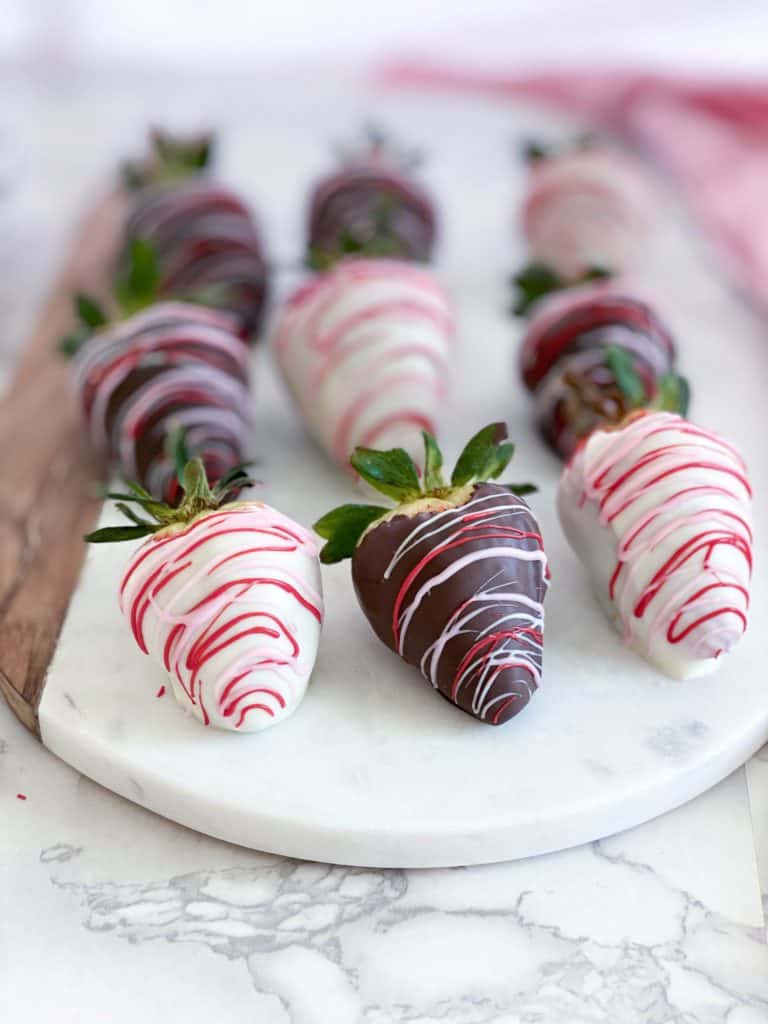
<point x="729" y="34"/>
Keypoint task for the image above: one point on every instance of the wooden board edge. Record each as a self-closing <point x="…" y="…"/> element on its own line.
<point x="48" y="501"/>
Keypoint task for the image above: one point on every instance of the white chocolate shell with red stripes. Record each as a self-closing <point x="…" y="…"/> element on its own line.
<point x="659" y="511"/>
<point x="586" y="208"/>
<point x="231" y="606"/>
<point x="365" y="350"/>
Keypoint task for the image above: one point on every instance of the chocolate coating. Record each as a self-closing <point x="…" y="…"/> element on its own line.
<point x="459" y="594"/>
<point x="352" y="204"/>
<point x="207" y="245"/>
<point x="563" y="360"/>
<point x="171" y="365"/>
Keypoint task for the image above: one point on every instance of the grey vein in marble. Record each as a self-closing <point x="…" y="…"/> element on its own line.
<point x="378" y="953"/>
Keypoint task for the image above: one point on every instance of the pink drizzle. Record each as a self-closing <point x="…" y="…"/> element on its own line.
<point x="699" y="594"/>
<point x="209" y="603"/>
<point x="367" y="343"/>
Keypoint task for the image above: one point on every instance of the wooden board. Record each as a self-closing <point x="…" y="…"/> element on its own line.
<point x="49" y="497"/>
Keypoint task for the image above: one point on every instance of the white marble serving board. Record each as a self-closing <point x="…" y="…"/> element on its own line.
<point x="375" y="769"/>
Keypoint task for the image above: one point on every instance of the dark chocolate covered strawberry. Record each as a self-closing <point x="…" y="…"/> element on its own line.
<point x="453" y="578"/>
<point x="371" y="206"/>
<point x="203" y="235"/>
<point x="140" y="378"/>
<point x="593" y="354"/>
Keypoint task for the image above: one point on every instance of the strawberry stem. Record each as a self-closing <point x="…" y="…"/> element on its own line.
<point x="199" y="497"/>
<point x="393" y="473"/>
<point x="172" y="160"/>
<point x="536" y="280"/>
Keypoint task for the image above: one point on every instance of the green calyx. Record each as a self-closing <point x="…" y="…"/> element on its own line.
<point x="673" y="394"/>
<point x="533" y="150"/>
<point x="139" y="283"/>
<point x="136" y="288"/>
<point x="394" y="474"/>
<point x="380" y="241"/>
<point x="378" y="146"/>
<point x="536" y="280"/>
<point x="172" y="159"/>
<point x="154" y="515"/>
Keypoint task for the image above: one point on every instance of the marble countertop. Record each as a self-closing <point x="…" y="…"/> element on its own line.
<point x="137" y="918"/>
<point x="110" y="913"/>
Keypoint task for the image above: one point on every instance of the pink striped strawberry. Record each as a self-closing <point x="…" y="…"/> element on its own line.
<point x="365" y="349"/>
<point x="452" y="578"/>
<point x="588" y="212"/>
<point x="225" y="596"/>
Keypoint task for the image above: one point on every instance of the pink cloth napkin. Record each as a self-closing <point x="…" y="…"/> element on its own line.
<point x="711" y="136"/>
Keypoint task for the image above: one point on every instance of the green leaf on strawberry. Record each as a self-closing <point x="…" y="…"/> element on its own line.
<point x="485" y="456"/>
<point x="343" y="527"/>
<point x="536" y="280"/>
<point x="137" y="287"/>
<point x="622" y="365"/>
<point x="674" y="394"/>
<point x="172" y="160"/>
<point x="198" y="497"/>
<point x="393" y="473"/>
<point x="433" y="463"/>
<point x="90" y="311"/>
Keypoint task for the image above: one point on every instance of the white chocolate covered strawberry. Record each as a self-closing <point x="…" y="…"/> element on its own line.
<point x="590" y="206"/>
<point x="364" y="349"/>
<point x="226" y="598"/>
<point x="659" y="511"/>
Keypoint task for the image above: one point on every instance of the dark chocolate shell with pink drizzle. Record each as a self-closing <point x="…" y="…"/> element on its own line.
<point x="172" y="366"/>
<point x="453" y="579"/>
<point x="203" y="236"/>
<point x="590" y="356"/>
<point x="659" y="512"/>
<point x="207" y="246"/>
<point x="372" y="205"/>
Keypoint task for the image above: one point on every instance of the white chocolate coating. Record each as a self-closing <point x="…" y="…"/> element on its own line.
<point x="659" y="511"/>
<point x="231" y="606"/>
<point x="364" y="349"/>
<point x="591" y="207"/>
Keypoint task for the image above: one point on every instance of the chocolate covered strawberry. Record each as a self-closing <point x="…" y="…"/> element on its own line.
<point x="590" y="205"/>
<point x="172" y="365"/>
<point x="226" y="597"/>
<point x="589" y="211"/>
<point x="591" y="355"/>
<point x="372" y="205"/>
<point x="659" y="510"/>
<point x="203" y="235"/>
<point x="365" y="351"/>
<point x="452" y="578"/>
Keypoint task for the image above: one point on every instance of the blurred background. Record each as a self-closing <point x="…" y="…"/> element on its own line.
<point x="82" y="35"/>
<point x="89" y="34"/>
<point x="81" y="79"/>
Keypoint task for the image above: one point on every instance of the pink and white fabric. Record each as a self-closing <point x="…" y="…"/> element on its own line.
<point x="710" y="135"/>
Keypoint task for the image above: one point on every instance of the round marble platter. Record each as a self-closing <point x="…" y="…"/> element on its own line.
<point x="375" y="769"/>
